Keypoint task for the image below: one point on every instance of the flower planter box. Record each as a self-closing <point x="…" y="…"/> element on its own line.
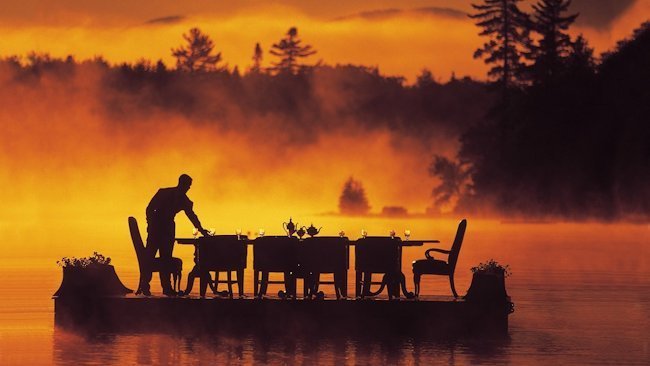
<point x="487" y="287"/>
<point x="95" y="280"/>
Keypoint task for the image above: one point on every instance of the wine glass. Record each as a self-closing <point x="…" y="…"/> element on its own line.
<point x="392" y="234"/>
<point x="364" y="233"/>
<point x="342" y="233"/>
<point x="195" y="232"/>
<point x="407" y="234"/>
<point x="238" y="233"/>
<point x="261" y="233"/>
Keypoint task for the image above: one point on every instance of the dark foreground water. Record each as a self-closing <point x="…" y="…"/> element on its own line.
<point x="582" y="294"/>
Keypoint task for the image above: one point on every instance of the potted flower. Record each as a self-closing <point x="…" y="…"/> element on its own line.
<point x="90" y="277"/>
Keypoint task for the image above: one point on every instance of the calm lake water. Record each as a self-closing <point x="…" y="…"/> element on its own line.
<point x="582" y="295"/>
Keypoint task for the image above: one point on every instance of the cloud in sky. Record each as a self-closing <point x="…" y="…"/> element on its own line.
<point x="597" y="13"/>
<point x="600" y="13"/>
<point x="171" y="19"/>
<point x="382" y="14"/>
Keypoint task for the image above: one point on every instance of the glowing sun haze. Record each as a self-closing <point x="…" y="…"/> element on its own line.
<point x="401" y="37"/>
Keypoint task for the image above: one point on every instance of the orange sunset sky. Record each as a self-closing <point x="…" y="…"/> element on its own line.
<point x="401" y="37"/>
<point x="61" y="158"/>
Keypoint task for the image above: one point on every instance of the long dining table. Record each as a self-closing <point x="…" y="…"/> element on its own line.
<point x="402" y="243"/>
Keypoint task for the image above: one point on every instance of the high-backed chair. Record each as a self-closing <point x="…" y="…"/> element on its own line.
<point x="223" y="253"/>
<point x="378" y="254"/>
<point x="320" y="255"/>
<point x="434" y="266"/>
<point x="174" y="266"/>
<point x="274" y="254"/>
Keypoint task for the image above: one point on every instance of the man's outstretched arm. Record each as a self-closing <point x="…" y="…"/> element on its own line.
<point x="194" y="219"/>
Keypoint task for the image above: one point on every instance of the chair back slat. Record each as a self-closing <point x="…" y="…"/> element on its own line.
<point x="222" y="253"/>
<point x="275" y="254"/>
<point x="377" y="255"/>
<point x="324" y="254"/>
<point x="136" y="238"/>
<point x="458" y="242"/>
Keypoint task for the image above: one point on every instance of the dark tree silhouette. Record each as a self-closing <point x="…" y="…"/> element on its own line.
<point x="507" y="27"/>
<point x="258" y="55"/>
<point x="197" y="54"/>
<point x="574" y="148"/>
<point x="581" y="58"/>
<point x="290" y="51"/>
<point x="425" y="79"/>
<point x="454" y="180"/>
<point x="353" y="199"/>
<point x="550" y="54"/>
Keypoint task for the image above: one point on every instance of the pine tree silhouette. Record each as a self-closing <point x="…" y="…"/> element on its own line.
<point x="554" y="47"/>
<point x="290" y="51"/>
<point x="258" y="55"/>
<point x="196" y="55"/>
<point x="581" y="58"/>
<point x="507" y="27"/>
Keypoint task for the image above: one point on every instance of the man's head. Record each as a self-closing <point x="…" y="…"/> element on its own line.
<point x="184" y="182"/>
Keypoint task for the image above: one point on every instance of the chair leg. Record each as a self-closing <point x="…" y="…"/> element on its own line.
<point x="256" y="277"/>
<point x="178" y="282"/>
<point x="453" y="288"/>
<point x="264" y="284"/>
<point x="229" y="279"/>
<point x="338" y="285"/>
<point x="240" y="282"/>
<point x="306" y="286"/>
<point x="139" y="290"/>
<point x="314" y="284"/>
<point x="203" y="284"/>
<point x="357" y="284"/>
<point x="416" y="281"/>
<point x="367" y="283"/>
<point x="402" y="281"/>
<point x="216" y="282"/>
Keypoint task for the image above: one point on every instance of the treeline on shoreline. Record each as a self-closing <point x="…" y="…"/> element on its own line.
<point x="564" y="137"/>
<point x="315" y="100"/>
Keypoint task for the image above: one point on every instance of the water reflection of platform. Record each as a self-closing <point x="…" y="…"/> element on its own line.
<point x="429" y="315"/>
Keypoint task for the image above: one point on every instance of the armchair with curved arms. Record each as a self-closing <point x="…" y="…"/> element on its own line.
<point x="434" y="266"/>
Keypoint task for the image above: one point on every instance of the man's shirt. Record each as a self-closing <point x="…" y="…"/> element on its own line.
<point x="166" y="203"/>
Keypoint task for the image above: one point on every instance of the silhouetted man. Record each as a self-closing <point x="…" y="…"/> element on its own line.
<point x="162" y="209"/>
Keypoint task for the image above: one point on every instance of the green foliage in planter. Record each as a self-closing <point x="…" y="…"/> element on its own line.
<point x="492" y="267"/>
<point x="73" y="262"/>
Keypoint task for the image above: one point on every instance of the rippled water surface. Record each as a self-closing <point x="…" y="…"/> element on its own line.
<point x="582" y="294"/>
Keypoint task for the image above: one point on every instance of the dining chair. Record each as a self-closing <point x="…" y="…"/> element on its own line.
<point x="325" y="255"/>
<point x="174" y="266"/>
<point x="274" y="254"/>
<point x="223" y="253"/>
<point x="433" y="266"/>
<point x="378" y="255"/>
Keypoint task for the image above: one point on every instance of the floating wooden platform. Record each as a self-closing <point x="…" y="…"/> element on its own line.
<point x="428" y="315"/>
